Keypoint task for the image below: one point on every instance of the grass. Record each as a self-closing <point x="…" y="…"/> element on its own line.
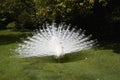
<point x="102" y="63"/>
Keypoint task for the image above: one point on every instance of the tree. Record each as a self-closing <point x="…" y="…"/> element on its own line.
<point x="19" y="11"/>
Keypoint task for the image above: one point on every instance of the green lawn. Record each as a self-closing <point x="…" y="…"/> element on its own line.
<point x="102" y="63"/>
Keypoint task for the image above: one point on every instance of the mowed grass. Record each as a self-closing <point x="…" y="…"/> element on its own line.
<point x="93" y="64"/>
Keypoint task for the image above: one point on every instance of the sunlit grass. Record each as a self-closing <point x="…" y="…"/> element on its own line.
<point x="93" y="64"/>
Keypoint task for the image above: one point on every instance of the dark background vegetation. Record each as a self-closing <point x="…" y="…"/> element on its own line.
<point x="101" y="18"/>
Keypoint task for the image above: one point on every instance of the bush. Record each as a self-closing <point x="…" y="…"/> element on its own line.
<point x="18" y="11"/>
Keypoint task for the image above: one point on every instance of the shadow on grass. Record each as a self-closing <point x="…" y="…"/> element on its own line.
<point x="72" y="57"/>
<point x="7" y="39"/>
<point x="115" y="46"/>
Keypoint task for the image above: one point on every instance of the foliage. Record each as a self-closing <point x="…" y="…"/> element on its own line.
<point x="62" y="10"/>
<point x="18" y="11"/>
<point x="35" y="12"/>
